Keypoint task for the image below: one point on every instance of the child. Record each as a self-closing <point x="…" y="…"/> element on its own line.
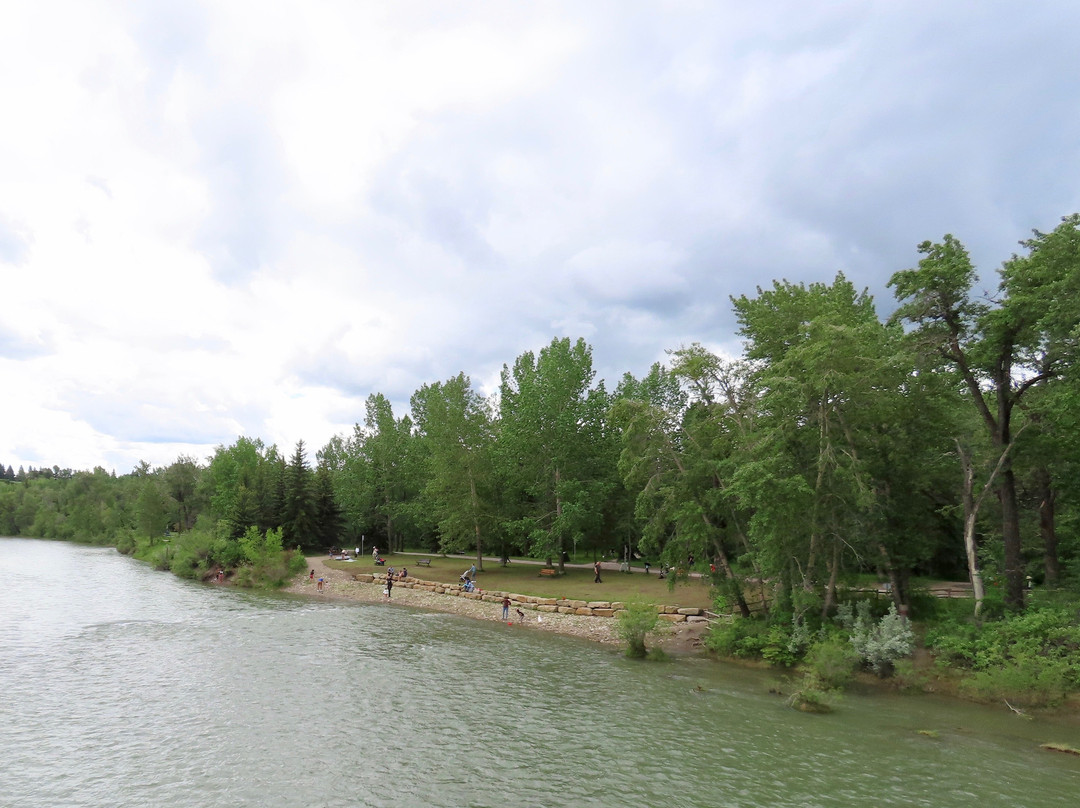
<point x="521" y="615"/>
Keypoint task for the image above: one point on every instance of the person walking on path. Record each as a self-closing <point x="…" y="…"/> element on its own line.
<point x="506" y="607"/>
<point x="596" y="570"/>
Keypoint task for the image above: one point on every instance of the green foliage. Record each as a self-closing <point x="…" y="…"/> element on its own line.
<point x="635" y="622"/>
<point x="833" y="662"/>
<point x="261" y="548"/>
<point x="813" y="697"/>
<point x="1025" y="681"/>
<point x="1032" y="658"/>
<point x="777" y="648"/>
<point x="752" y="638"/>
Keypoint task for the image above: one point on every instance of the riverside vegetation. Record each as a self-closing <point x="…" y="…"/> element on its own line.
<point x="841" y="452"/>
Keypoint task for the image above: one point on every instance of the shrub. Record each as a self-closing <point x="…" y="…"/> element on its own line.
<point x="812" y="696"/>
<point x="778" y="647"/>
<point x="1029" y="682"/>
<point x="881" y="644"/>
<point x="832" y="661"/>
<point x="125" y="542"/>
<point x="635" y="622"/>
<point x="742" y="637"/>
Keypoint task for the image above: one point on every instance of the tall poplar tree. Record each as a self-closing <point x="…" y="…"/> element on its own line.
<point x="455" y="425"/>
<point x="550" y="447"/>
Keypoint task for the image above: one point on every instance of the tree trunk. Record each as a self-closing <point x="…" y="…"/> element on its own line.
<point x="971" y="511"/>
<point x="558" y="520"/>
<point x="476" y="523"/>
<point x="830" y="589"/>
<point x="744" y="608"/>
<point x="1010" y="532"/>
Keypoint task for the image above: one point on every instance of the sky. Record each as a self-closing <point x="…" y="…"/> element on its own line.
<point x="242" y="218"/>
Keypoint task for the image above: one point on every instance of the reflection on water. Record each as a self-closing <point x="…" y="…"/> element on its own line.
<point x="126" y="687"/>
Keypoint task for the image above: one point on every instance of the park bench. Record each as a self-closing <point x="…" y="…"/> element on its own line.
<point x="424" y="562"/>
<point x="551" y="571"/>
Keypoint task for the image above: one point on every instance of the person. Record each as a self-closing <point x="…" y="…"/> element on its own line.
<point x="404" y="573"/>
<point x="320" y="584"/>
<point x="648" y="566"/>
<point x="389" y="585"/>
<point x="506" y="606"/>
<point x="374" y="552"/>
<point x="690" y="560"/>
<point x="312" y="576"/>
<point x="596" y="570"/>
<point x="389" y="572"/>
<point x="472" y="572"/>
<point x="356" y="552"/>
<point x="521" y="615"/>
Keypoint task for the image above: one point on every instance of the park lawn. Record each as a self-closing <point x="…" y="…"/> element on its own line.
<point x="525" y="579"/>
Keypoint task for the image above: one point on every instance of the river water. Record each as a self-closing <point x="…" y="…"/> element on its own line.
<point x="121" y="686"/>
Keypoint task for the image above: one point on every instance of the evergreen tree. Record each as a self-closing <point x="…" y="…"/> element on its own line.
<point x="328" y="515"/>
<point x="298" y="516"/>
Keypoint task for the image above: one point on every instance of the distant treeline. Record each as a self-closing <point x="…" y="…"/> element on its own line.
<point x="941" y="442"/>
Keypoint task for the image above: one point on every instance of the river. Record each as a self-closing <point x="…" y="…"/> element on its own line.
<point x="121" y="686"/>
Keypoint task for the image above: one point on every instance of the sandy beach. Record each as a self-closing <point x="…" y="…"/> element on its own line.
<point x="340" y="585"/>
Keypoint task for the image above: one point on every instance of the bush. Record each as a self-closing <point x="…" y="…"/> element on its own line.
<point x="778" y="648"/>
<point x="813" y="697"/>
<point x="1029" y="682"/>
<point x="125" y="542"/>
<point x="832" y="661"/>
<point x="881" y="644"/>
<point x="635" y="622"/>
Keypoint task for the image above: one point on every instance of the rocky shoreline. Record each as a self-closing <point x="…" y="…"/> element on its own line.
<point x="674" y="637"/>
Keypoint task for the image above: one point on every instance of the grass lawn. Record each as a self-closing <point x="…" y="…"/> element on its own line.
<point x="525" y="579"/>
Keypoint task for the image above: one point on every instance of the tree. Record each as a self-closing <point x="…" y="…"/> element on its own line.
<point x="298" y="516"/>
<point x="827" y="459"/>
<point x="550" y="447"/>
<point x="328" y="517"/>
<point x="1003" y="348"/>
<point x="454" y="423"/>
<point x="181" y="479"/>
<point x="150" y="508"/>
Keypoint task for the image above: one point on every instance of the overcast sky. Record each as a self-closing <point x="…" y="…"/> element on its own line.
<point x="241" y="218"/>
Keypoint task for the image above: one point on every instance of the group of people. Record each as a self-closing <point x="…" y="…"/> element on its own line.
<point x="506" y="610"/>
<point x="468" y="579"/>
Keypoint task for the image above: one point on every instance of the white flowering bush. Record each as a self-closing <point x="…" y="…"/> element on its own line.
<point x="880" y="644"/>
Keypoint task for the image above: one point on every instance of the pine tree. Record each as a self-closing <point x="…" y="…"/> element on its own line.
<point x="298" y="519"/>
<point x="328" y="515"/>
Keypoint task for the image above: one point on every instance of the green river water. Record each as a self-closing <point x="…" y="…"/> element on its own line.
<point x="120" y="686"/>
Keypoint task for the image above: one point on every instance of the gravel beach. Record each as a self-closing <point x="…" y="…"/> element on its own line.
<point x="340" y="585"/>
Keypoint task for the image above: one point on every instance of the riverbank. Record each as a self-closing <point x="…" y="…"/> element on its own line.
<point x="674" y="638"/>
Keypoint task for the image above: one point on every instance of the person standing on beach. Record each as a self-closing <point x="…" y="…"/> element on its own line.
<point x="596" y="570"/>
<point x="506" y="607"/>
<point x="389" y="585"/>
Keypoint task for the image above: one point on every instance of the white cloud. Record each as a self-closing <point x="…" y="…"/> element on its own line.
<point x="233" y="217"/>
